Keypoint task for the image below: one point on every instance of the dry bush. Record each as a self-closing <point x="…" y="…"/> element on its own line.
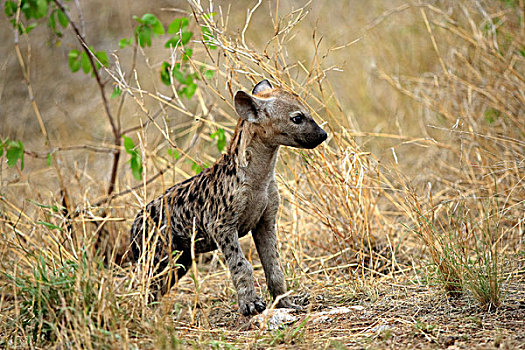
<point x="472" y="213"/>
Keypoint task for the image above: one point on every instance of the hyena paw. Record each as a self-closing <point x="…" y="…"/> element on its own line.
<point x="251" y="306"/>
<point x="287" y="303"/>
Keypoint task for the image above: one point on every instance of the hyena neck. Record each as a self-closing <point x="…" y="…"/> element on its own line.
<point x="254" y="160"/>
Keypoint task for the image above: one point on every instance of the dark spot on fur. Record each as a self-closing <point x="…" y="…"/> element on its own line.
<point x="153" y="212"/>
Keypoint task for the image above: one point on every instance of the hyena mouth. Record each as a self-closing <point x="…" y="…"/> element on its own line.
<point x="314" y="141"/>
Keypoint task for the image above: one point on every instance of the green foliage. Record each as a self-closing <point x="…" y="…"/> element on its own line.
<point x="178" y="25"/>
<point x="148" y="25"/>
<point x="208" y="38"/>
<point x="10" y="8"/>
<point x="463" y="248"/>
<point x="424" y="327"/>
<point x="62" y="20"/>
<point x="51" y="208"/>
<point x="288" y="335"/>
<point x="185" y="78"/>
<point x="174" y="153"/>
<point x="77" y="60"/>
<point x="196" y="167"/>
<point x="491" y="115"/>
<point x="207" y="73"/>
<point x="34" y="10"/>
<point x="116" y="92"/>
<point x="54" y="296"/>
<point x="14" y="151"/>
<point x="50" y="226"/>
<point x="511" y="3"/>
<point x="42" y="294"/>
<point x="124" y="43"/>
<point x="183" y="37"/>
<point x="135" y="159"/>
<point x="221" y="139"/>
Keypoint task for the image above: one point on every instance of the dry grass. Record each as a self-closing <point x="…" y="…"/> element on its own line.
<point x="414" y="208"/>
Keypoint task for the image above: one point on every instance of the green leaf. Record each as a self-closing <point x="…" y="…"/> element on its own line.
<point x="135" y="159"/>
<point x="209" y="16"/>
<point x="85" y="63"/>
<point x="188" y="80"/>
<point x="30" y="27"/>
<point x="73" y="61"/>
<point x="129" y="146"/>
<point x="172" y="42"/>
<point x="73" y="54"/>
<point x="53" y="208"/>
<point x="149" y="19"/>
<point x="491" y="115"/>
<point x="49" y="159"/>
<point x="50" y="226"/>
<point x="208" y="74"/>
<point x="196" y="168"/>
<point x="10" y="8"/>
<point x="177" y="25"/>
<point x="177" y="74"/>
<point x="51" y="22"/>
<point x="103" y="58"/>
<point x="207" y="36"/>
<point x="124" y="42"/>
<point x="190" y="90"/>
<point x="158" y="28"/>
<point x="136" y="18"/>
<point x="154" y="23"/>
<point x="116" y="92"/>
<point x="165" y="73"/>
<point x="41" y="9"/>
<point x="144" y="35"/>
<point x="174" y="153"/>
<point x="74" y="64"/>
<point x="62" y="18"/>
<point x="187" y="54"/>
<point x="221" y="139"/>
<point x="136" y="167"/>
<point x="185" y="37"/>
<point x="14" y="152"/>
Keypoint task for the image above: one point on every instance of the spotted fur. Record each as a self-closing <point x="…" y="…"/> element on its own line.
<point x="235" y="196"/>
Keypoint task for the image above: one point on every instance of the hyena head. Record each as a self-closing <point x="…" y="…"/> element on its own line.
<point x="279" y="117"/>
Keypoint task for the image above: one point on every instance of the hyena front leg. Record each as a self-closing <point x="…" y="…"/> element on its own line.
<point x="266" y="244"/>
<point x="241" y="272"/>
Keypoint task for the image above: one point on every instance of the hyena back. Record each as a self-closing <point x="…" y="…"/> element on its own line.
<point x="237" y="195"/>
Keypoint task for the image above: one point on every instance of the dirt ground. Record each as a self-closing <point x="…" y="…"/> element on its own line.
<point x="390" y="315"/>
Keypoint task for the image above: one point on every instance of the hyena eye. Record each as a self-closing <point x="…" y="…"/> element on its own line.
<point x="297" y="118"/>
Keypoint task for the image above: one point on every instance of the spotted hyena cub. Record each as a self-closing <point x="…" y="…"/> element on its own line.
<point x="237" y="195"/>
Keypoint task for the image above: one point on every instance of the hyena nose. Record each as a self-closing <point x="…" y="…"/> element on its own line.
<point x="317" y="138"/>
<point x="323" y="136"/>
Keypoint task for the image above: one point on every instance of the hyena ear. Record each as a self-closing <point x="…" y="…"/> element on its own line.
<point x="247" y="107"/>
<point x="262" y="86"/>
